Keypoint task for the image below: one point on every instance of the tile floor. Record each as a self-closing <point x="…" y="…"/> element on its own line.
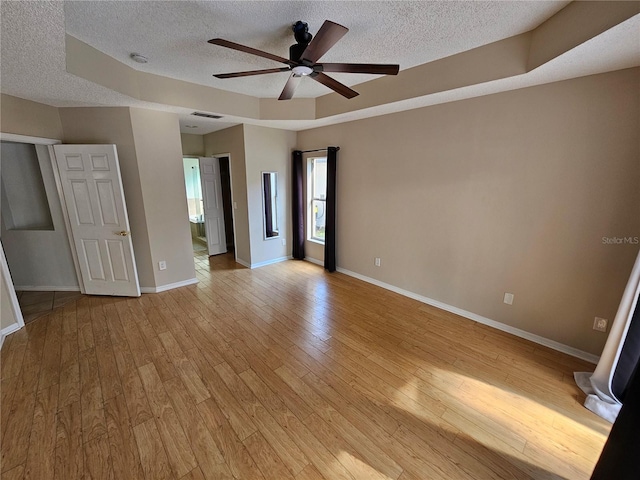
<point x="36" y="304"/>
<point x="198" y="246"/>
<point x="205" y="263"/>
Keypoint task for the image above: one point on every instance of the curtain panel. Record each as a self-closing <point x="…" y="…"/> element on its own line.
<point x="330" y="227"/>
<point x="297" y="206"/>
<point x="606" y="387"/>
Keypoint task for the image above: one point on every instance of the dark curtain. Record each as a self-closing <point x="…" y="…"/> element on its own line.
<point x="268" y="212"/>
<point x="619" y="459"/>
<point x="629" y="358"/>
<point x="297" y="206"/>
<point x="330" y="227"/>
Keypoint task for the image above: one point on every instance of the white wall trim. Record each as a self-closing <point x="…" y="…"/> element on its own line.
<point x="168" y="286"/>
<point x="46" y="288"/>
<point x="8" y="331"/>
<point x="589" y="357"/>
<point x="13" y="137"/>
<point x="13" y="298"/>
<point x="242" y="262"/>
<point x="314" y="260"/>
<point x="269" y="262"/>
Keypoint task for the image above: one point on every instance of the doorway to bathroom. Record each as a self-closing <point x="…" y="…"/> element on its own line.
<point x="208" y="188"/>
<point x="195" y="203"/>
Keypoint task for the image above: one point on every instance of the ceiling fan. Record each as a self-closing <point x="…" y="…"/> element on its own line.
<point x="303" y="58"/>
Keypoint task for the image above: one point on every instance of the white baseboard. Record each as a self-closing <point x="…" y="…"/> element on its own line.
<point x="169" y="286"/>
<point x="243" y="263"/>
<point x="45" y="288"/>
<point x="269" y="262"/>
<point x="589" y="357"/>
<point x="314" y="260"/>
<point x="8" y="330"/>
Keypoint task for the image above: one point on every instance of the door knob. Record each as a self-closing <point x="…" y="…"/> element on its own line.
<point x="123" y="233"/>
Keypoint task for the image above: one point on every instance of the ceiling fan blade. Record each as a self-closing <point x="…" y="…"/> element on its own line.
<point x="290" y="87"/>
<point x="252" y="51"/>
<point x="373" y="68"/>
<point x="327" y="37"/>
<point x="252" y="72"/>
<point x="335" y="85"/>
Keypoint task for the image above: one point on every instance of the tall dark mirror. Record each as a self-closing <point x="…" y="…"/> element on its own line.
<point x="270" y="204"/>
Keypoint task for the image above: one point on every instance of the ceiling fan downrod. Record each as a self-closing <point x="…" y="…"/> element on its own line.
<point x="303" y="37"/>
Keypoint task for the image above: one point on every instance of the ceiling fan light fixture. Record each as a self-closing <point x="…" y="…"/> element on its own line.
<point x="302" y="70"/>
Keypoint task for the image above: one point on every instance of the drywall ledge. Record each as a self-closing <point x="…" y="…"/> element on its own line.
<point x="560" y="347"/>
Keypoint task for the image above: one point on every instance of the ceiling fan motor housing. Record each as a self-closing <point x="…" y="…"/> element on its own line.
<point x="303" y="38"/>
<point x="301" y="32"/>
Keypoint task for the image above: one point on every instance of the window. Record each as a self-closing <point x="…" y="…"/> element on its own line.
<point x="317" y="186"/>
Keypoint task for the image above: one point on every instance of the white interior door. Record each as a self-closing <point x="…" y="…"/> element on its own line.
<point x="94" y="199"/>
<point x="213" y="210"/>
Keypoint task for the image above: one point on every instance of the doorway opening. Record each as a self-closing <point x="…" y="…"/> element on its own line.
<point x="227" y="203"/>
<point x="208" y="188"/>
<point x="195" y="204"/>
<point x="36" y="253"/>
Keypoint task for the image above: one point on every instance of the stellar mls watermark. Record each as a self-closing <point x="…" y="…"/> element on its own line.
<point x="620" y="240"/>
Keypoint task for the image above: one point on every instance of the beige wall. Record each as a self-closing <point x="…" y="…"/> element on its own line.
<point x="268" y="150"/>
<point x="231" y="141"/>
<point x="24" y="117"/>
<point x="106" y="125"/>
<point x="159" y="154"/>
<point x="511" y="192"/>
<point x="192" y="144"/>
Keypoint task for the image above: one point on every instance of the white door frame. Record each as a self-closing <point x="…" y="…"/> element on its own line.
<point x="13" y="298"/>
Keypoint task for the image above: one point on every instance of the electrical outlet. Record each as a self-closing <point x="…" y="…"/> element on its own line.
<point x="376" y="262"/>
<point x="508" y="298"/>
<point x="600" y="324"/>
<point x="284" y="241"/>
<point x="162" y="265"/>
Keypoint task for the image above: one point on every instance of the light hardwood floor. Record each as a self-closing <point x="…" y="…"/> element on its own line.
<point x="285" y="372"/>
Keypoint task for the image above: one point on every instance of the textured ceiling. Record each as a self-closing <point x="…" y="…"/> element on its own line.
<point x="33" y="46"/>
<point x="173" y="35"/>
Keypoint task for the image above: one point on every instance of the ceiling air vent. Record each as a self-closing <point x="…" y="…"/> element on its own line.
<point x="207" y="115"/>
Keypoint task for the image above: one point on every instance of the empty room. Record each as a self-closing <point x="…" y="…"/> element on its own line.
<point x="319" y="240"/>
